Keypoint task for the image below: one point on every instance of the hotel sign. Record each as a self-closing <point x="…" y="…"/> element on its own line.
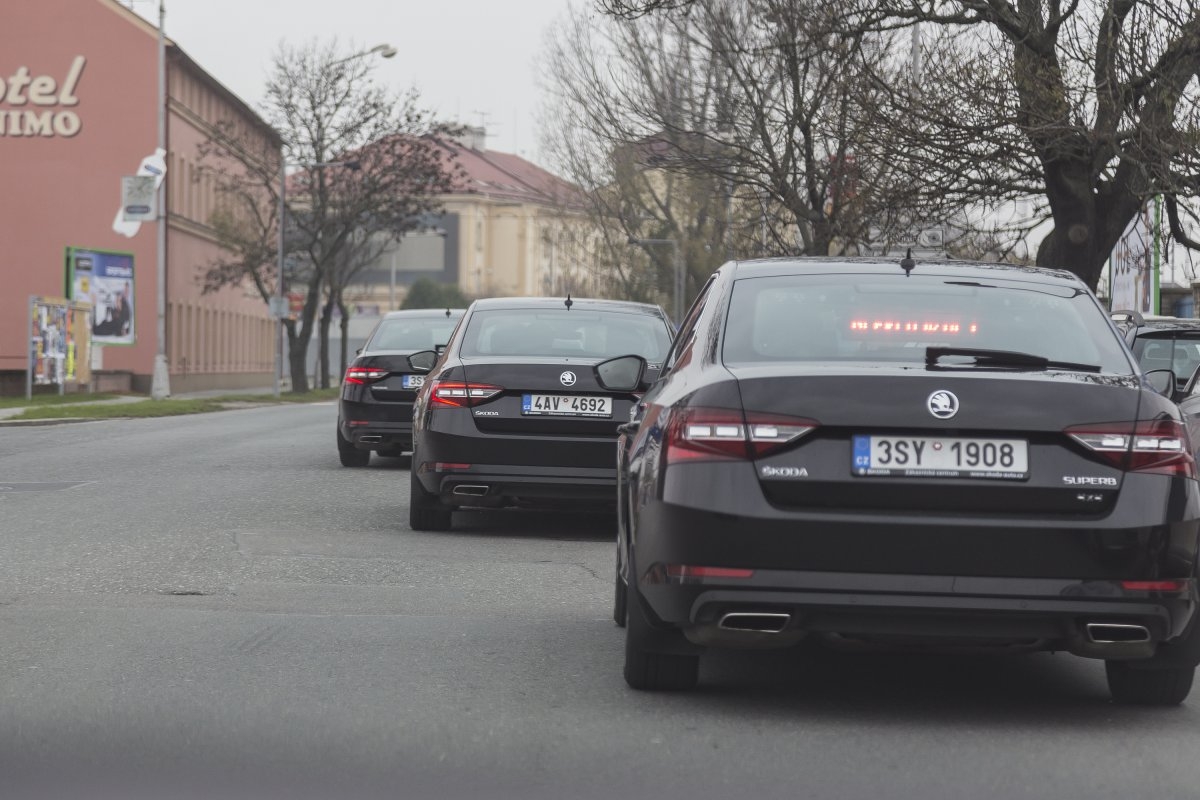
<point x="39" y="105"/>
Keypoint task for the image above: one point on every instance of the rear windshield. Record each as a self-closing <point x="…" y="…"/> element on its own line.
<point x="412" y="333"/>
<point x="885" y="318"/>
<point x="567" y="333"/>
<point x="1179" y="354"/>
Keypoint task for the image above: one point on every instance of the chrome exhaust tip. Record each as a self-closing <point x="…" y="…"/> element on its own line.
<point x="1116" y="633"/>
<point x="754" y="621"/>
<point x="370" y="439"/>
<point x="470" y="490"/>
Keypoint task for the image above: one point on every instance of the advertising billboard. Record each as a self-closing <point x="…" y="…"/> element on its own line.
<point x="105" y="280"/>
<point x="1133" y="266"/>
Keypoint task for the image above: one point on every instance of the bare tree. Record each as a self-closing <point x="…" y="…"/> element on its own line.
<point x="756" y="106"/>
<point x="1089" y="105"/>
<point x="368" y="161"/>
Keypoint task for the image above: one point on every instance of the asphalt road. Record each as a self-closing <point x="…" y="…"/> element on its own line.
<point x="210" y="606"/>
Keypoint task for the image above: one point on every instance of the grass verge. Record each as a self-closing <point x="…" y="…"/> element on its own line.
<point x="53" y="400"/>
<point x="168" y="408"/>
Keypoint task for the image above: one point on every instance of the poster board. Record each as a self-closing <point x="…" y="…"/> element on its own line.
<point x="60" y="336"/>
<point x="105" y="280"/>
<point x="1133" y="266"/>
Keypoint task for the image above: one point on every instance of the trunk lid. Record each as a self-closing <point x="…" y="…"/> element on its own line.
<point x="1025" y="412"/>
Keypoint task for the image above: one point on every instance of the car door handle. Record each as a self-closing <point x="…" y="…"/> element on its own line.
<point x="629" y="428"/>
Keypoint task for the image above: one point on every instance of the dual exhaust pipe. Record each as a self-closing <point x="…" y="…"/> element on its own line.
<point x="470" y="490"/>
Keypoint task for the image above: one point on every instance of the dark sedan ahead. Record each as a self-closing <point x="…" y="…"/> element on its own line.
<point x="375" y="410"/>
<point x="519" y="412"/>
<point x="963" y="456"/>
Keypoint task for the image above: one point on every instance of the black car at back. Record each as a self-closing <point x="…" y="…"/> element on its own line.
<point x="380" y="385"/>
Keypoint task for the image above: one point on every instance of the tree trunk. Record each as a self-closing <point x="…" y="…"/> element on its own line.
<point x="297" y="356"/>
<point x="344" y="324"/>
<point x="323" y="353"/>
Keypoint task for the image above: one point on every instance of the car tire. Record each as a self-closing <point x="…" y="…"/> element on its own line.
<point x="425" y="511"/>
<point x="349" y="455"/>
<point x="1148" y="686"/>
<point x="619" y="598"/>
<point x="650" y="664"/>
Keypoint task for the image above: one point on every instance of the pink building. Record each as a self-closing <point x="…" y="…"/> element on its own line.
<point x="78" y="110"/>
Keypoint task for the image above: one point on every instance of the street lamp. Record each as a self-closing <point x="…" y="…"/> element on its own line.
<point x="384" y="51"/>
<point x="678" y="259"/>
<point x="160" y="379"/>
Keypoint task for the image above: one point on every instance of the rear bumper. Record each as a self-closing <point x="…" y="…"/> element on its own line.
<point x="378" y="435"/>
<point x="499" y="485"/>
<point x="1048" y="614"/>
<point x="924" y="575"/>
<point x="508" y="469"/>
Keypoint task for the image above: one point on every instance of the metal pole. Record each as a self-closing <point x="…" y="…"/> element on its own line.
<point x="160" y="382"/>
<point x="392" y="292"/>
<point x="29" y="354"/>
<point x="679" y="284"/>
<point x="279" y="296"/>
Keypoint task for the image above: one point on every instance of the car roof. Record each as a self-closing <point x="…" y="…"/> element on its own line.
<point x="771" y="267"/>
<point x="425" y="312"/>
<point x="1167" y="324"/>
<point x="581" y="303"/>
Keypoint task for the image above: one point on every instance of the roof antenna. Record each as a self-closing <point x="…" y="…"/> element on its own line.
<point x="569" y="302"/>
<point x="907" y="263"/>
<point x="447" y="313"/>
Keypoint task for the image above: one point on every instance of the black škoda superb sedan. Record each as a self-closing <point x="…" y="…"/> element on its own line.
<point x="942" y="454"/>
<point x="523" y="407"/>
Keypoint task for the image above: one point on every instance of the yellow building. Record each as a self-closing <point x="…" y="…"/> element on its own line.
<point x="508" y="228"/>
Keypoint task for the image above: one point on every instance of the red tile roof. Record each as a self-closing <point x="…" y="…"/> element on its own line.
<point x="505" y="176"/>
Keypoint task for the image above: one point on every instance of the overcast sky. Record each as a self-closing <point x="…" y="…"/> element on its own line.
<point x="472" y="60"/>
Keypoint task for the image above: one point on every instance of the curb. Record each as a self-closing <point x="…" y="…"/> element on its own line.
<point x="37" y="423"/>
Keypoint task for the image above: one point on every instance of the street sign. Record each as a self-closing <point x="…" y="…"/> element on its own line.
<point x="138" y="198"/>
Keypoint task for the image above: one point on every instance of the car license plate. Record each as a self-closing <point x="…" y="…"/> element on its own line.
<point x="412" y="381"/>
<point x="940" y="457"/>
<point x="565" y="405"/>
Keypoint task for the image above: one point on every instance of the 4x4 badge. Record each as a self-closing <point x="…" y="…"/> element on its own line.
<point x="942" y="404"/>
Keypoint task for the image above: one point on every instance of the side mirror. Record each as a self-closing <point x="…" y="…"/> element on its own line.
<point x="1162" y="381"/>
<point x="358" y="352"/>
<point x="439" y="349"/>
<point x="423" y="361"/>
<point x="621" y="374"/>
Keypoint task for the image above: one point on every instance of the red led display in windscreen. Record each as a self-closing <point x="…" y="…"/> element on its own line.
<point x="910" y="326"/>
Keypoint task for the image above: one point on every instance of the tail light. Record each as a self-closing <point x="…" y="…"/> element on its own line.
<point x="364" y="374"/>
<point x="455" y="394"/>
<point x="717" y="434"/>
<point x="1160" y="446"/>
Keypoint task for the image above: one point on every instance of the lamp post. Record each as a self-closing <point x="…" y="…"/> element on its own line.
<point x="160" y="380"/>
<point x="384" y="51"/>
<point x="677" y="255"/>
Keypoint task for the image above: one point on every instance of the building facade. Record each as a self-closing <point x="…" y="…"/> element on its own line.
<point x="508" y="228"/>
<point x="78" y="111"/>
